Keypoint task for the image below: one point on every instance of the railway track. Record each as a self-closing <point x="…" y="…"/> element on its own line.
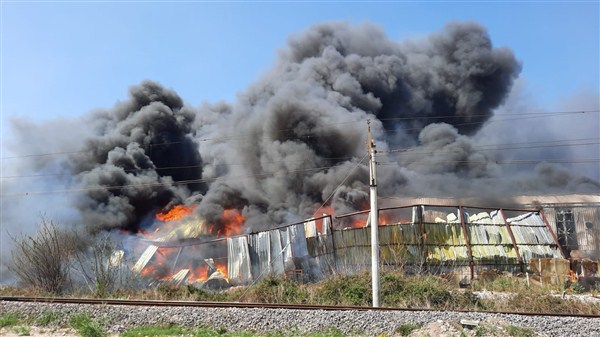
<point x="203" y="304"/>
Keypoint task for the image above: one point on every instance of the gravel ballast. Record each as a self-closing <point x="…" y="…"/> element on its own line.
<point x="115" y="319"/>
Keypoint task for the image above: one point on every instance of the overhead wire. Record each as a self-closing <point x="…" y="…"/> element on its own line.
<point x="488" y="147"/>
<point x="501" y="162"/>
<point x="340" y="184"/>
<point x="393" y="152"/>
<point x="166" y="168"/>
<point x="253" y="134"/>
<point x="169" y="183"/>
<point x="498" y="147"/>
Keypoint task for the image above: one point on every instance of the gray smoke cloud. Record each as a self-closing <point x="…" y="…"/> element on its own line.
<point x="296" y="139"/>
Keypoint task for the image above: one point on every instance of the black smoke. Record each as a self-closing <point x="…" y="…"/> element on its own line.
<point x="141" y="158"/>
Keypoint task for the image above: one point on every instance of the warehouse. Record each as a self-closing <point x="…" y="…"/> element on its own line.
<point x="545" y="236"/>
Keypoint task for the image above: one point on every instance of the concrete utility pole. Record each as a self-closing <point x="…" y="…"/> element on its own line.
<point x="374" y="217"/>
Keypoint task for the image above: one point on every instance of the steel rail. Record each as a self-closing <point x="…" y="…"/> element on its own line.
<point x="205" y="304"/>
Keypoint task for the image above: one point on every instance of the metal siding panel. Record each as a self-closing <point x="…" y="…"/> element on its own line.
<point x="259" y="245"/>
<point x="550" y="213"/>
<point x="288" y="257"/>
<point x="310" y="228"/>
<point x="238" y="261"/>
<point x="277" y="253"/>
<point x="298" y="240"/>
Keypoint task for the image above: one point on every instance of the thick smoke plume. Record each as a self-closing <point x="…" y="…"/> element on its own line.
<point x="296" y="139"/>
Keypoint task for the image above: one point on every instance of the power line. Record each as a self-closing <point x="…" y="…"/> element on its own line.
<point x="502" y="162"/>
<point x="165" y="168"/>
<point x="254" y="134"/>
<point x="180" y="182"/>
<point x="487" y="115"/>
<point x="498" y="147"/>
<point x="343" y="181"/>
<point x="533" y="116"/>
<point x="394" y="152"/>
<point x="401" y="151"/>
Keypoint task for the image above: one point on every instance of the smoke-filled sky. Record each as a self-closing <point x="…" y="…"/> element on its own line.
<point x="112" y="112"/>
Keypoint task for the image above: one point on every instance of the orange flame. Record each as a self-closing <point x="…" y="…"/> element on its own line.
<point x="319" y="213"/>
<point x="233" y="221"/>
<point x="161" y="266"/>
<point x="222" y="267"/>
<point x="198" y="274"/>
<point x="174" y="213"/>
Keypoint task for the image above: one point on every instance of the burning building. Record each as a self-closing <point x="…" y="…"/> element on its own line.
<point x="293" y="144"/>
<point x="429" y="235"/>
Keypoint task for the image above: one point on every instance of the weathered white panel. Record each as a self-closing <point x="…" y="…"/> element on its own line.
<point x="238" y="261"/>
<point x="260" y="254"/>
<point x="277" y="253"/>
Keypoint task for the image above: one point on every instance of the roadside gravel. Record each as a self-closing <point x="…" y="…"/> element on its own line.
<point x="115" y="319"/>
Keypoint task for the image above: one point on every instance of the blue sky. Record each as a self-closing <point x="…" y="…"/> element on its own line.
<point x="63" y="59"/>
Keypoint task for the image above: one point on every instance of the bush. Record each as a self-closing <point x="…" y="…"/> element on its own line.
<point x="102" y="266"/>
<point x="43" y="261"/>
<point x="346" y="290"/>
<point x="276" y="290"/>
<point x="416" y="291"/>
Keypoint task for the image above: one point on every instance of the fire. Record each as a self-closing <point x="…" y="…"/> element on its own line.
<point x="159" y="269"/>
<point x="198" y="274"/>
<point x="222" y="268"/>
<point x="233" y="221"/>
<point x="177" y="264"/>
<point x="385" y="219"/>
<point x="175" y="213"/>
<point x="319" y="213"/>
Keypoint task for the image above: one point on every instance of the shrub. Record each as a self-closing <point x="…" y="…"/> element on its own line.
<point x="276" y="290"/>
<point x="43" y="261"/>
<point x="347" y="290"/>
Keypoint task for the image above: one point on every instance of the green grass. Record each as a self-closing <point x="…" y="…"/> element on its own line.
<point x="406" y="329"/>
<point x="22" y="330"/>
<point x="516" y="331"/>
<point x="156" y="331"/>
<point x="85" y="326"/>
<point x="47" y="318"/>
<point x="7" y="320"/>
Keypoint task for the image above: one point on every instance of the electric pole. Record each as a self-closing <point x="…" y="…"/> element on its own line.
<point x="374" y="217"/>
